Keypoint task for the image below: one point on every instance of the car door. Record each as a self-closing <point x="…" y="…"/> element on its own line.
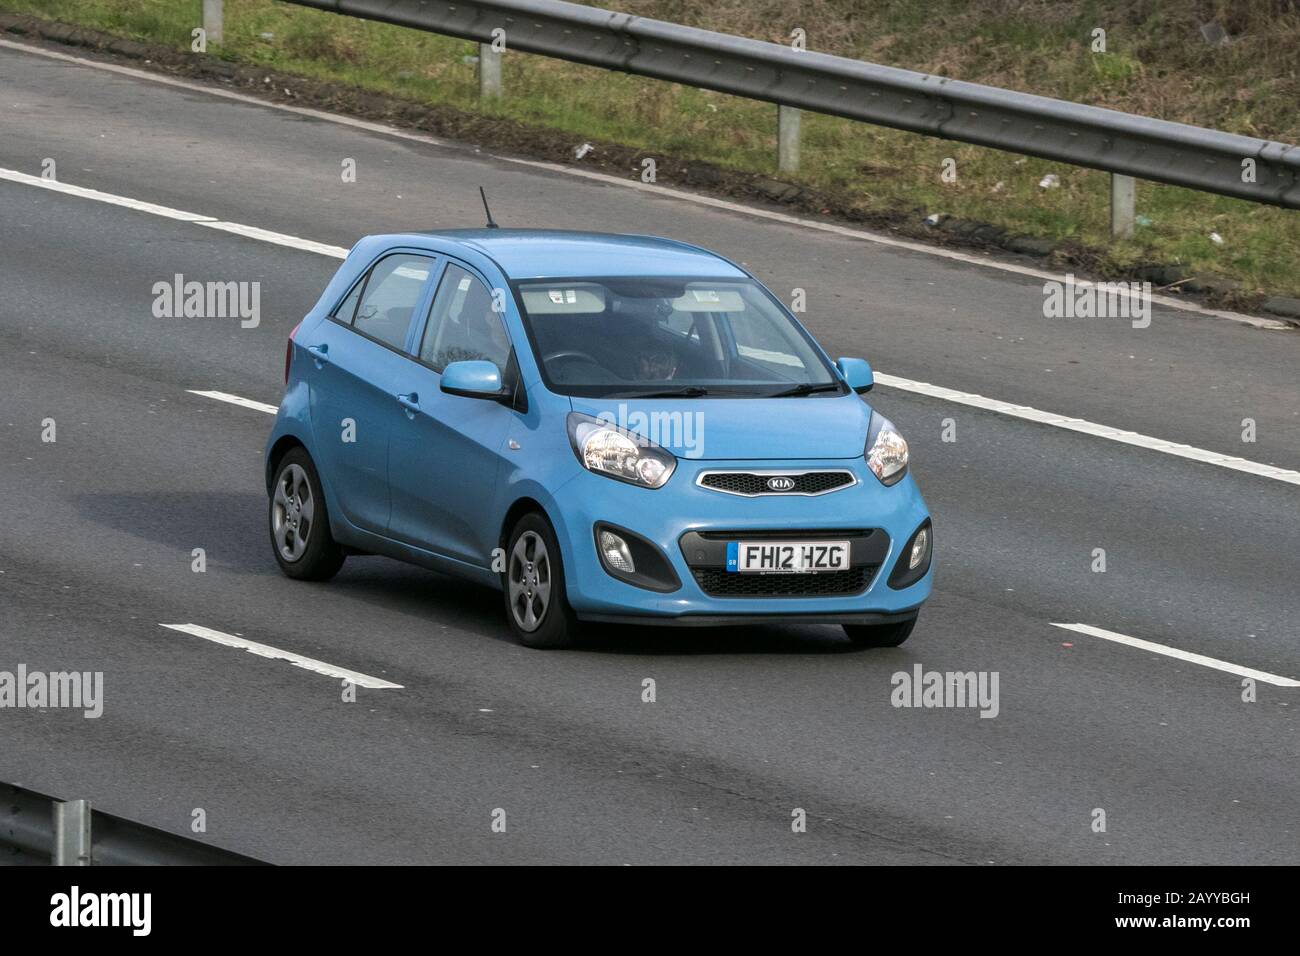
<point x="445" y="455"/>
<point x="358" y="356"/>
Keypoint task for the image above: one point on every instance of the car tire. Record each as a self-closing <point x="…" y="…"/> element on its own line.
<point x="537" y="606"/>
<point x="879" y="635"/>
<point x="299" y="521"/>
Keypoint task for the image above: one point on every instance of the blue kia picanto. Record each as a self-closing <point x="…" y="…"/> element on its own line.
<point x="607" y="428"/>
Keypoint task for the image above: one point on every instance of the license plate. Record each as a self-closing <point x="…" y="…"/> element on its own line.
<point x="787" y="557"/>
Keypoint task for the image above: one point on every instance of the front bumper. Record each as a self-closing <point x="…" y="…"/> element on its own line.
<point x="880" y="519"/>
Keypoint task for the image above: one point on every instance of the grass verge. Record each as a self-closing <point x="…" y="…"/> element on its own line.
<point x="1157" y="62"/>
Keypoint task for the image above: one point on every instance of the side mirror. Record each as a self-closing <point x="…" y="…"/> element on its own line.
<point x="474" y="379"/>
<point x="857" y="374"/>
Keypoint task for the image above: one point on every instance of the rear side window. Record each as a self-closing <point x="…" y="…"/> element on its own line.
<point x="390" y="296"/>
<point x="348" y="307"/>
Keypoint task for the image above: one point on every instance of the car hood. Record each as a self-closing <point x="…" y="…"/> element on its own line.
<point x="742" y="428"/>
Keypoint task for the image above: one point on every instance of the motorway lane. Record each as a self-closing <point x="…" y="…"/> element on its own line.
<point x="1187" y="378"/>
<point x="749" y="723"/>
<point x="220" y="355"/>
<point x="96" y="551"/>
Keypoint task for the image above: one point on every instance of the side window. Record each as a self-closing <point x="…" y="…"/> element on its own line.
<point x="391" y="294"/>
<point x="463" y="323"/>
<point x="348" y="307"/>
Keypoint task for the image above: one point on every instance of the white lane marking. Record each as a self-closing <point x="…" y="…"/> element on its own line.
<point x="167" y="212"/>
<point x="1181" y="655"/>
<point x="1092" y="428"/>
<point x="653" y="189"/>
<point x="274" y="653"/>
<point x="236" y="400"/>
<point x="893" y="381"/>
<point x="278" y="238"/>
<point x="82" y="192"/>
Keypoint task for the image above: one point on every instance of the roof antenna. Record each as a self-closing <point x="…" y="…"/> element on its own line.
<point x="490" y="223"/>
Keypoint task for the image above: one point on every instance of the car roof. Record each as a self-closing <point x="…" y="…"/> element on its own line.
<point x="558" y="253"/>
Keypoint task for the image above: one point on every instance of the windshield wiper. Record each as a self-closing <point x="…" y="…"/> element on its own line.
<point x="807" y="388"/>
<point x="686" y="391"/>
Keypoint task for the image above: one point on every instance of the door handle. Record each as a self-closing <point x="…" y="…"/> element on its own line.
<point x="320" y="353"/>
<point x="411" y="402"/>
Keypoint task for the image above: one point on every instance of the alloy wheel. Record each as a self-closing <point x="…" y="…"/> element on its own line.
<point x="292" y="513"/>
<point x="528" y="579"/>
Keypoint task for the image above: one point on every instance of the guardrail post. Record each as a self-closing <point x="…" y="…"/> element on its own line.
<point x="787" y="138"/>
<point x="489" y="72"/>
<point x="72" y="833"/>
<point x="212" y="20"/>
<point x="1122" y="196"/>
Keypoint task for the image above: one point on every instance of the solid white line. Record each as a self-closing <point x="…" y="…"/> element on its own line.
<point x="251" y="232"/>
<point x="1180" y="655"/>
<point x="892" y="381"/>
<point x="279" y="238"/>
<point x="274" y="653"/>
<point x="654" y="189"/>
<point x="236" y="400"/>
<point x="1092" y="428"/>
<point x="82" y="192"/>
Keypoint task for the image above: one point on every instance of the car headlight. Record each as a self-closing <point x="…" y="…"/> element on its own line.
<point x="615" y="452"/>
<point x="886" y="451"/>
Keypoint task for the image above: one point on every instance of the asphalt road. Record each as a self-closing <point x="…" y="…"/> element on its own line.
<point x="97" y="530"/>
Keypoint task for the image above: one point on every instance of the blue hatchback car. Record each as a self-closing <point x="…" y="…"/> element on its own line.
<point x="607" y="428"/>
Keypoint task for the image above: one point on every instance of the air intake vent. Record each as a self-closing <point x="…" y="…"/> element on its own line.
<point x="720" y="583"/>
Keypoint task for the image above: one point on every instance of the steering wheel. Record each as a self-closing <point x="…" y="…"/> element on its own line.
<point x="567" y="354"/>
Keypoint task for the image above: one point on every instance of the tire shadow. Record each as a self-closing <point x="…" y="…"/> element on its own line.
<point x="442" y="599"/>
<point x="230" y="527"/>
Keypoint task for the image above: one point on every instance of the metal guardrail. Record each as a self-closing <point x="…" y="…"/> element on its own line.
<point x="1120" y="143"/>
<point x="70" y="833"/>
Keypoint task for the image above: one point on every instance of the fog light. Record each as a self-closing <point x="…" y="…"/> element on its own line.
<point x="920" y="548"/>
<point x="615" y="551"/>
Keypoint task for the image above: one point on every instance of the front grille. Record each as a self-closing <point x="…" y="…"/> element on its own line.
<point x="755" y="483"/>
<point x="719" y="583"/>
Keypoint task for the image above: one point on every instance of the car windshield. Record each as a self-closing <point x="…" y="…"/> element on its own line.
<point x="665" y="337"/>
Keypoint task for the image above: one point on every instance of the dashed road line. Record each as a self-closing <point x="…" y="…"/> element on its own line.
<point x="1176" y="449"/>
<point x="1174" y="652"/>
<point x="236" y="400"/>
<point x="274" y="653"/>
<point x="890" y="381"/>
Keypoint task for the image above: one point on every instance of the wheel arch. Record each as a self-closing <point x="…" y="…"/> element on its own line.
<point x="282" y="447"/>
<point x="517" y="510"/>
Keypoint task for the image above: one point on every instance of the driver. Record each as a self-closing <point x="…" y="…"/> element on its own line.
<point x="652" y="359"/>
<point x="656" y="363"/>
